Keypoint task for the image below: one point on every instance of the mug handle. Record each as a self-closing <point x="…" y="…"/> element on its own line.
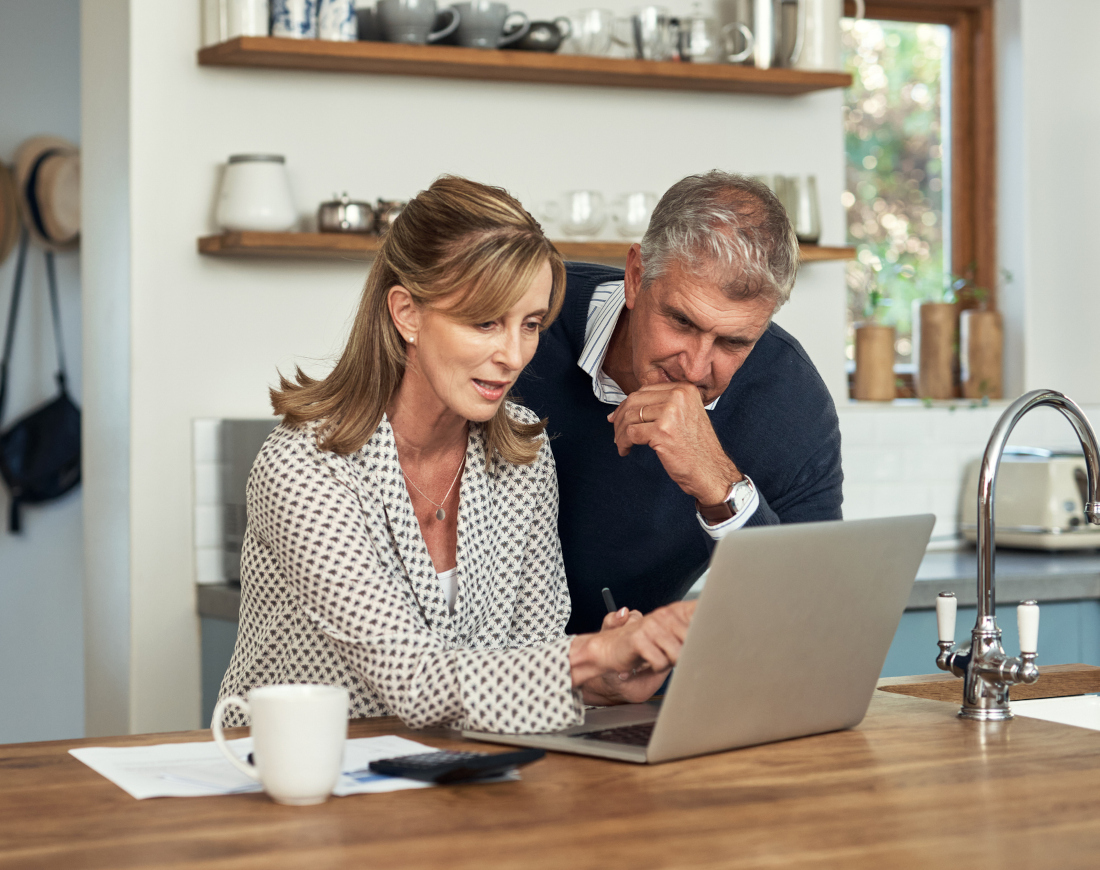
<point x="565" y="26"/>
<point x="516" y="35"/>
<point x="750" y="41"/>
<point x="244" y="767"/>
<point x="437" y="35"/>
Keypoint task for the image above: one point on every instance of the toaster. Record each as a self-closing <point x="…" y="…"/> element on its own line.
<point x="1039" y="501"/>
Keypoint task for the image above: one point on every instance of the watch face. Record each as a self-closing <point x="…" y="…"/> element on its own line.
<point x="742" y="495"/>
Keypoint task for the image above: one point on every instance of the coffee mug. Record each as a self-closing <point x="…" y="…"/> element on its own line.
<point x="482" y="24"/>
<point x="410" y="21"/>
<point x="336" y="21"/>
<point x="294" y="19"/>
<point x="591" y="32"/>
<point x="298" y="735"/>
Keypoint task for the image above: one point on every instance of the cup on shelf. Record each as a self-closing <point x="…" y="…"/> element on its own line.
<point x="228" y="19"/>
<point x="385" y="213"/>
<point x="411" y="21"/>
<point x="806" y="216"/>
<point x="336" y="21"/>
<point x="298" y="734"/>
<point x="591" y="31"/>
<point x="579" y="214"/>
<point x="650" y="30"/>
<point x="255" y="195"/>
<point x="294" y="19"/>
<point x="631" y="213"/>
<point x="699" y="39"/>
<point x="544" y="35"/>
<point x="482" y="24"/>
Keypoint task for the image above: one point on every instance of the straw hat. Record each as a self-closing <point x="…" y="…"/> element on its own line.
<point x="9" y="213"/>
<point x="47" y="183"/>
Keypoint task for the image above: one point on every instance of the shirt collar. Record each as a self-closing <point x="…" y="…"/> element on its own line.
<point x="607" y="303"/>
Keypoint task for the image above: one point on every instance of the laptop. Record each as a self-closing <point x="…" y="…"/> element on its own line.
<point x="788" y="639"/>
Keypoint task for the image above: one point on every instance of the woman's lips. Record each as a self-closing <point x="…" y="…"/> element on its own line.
<point x="491" y="390"/>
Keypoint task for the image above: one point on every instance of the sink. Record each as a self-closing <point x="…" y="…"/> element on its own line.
<point x="1080" y="710"/>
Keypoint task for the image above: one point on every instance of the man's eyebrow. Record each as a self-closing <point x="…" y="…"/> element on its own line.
<point x="735" y="340"/>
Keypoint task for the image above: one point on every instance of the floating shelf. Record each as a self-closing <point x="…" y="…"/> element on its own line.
<point x="444" y="61"/>
<point x="339" y="246"/>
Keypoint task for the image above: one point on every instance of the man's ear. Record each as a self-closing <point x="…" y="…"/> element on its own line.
<point x="632" y="282"/>
<point x="404" y="312"/>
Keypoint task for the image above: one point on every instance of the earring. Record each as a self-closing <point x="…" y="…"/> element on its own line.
<point x="411" y="339"/>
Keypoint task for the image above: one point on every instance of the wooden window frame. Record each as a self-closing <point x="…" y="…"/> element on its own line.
<point x="973" y="131"/>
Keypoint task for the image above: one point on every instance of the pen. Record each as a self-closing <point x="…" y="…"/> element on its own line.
<point x="608" y="600"/>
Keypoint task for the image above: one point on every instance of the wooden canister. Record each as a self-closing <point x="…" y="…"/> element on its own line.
<point x="934" y="341"/>
<point x="874" y="363"/>
<point x="981" y="353"/>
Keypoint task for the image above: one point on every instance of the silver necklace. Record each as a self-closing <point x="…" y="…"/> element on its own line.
<point x="440" y="514"/>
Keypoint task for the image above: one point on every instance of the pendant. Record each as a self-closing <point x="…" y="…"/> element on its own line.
<point x="441" y="514"/>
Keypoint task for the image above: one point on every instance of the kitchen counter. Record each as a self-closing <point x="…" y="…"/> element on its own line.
<point x="912" y="786"/>
<point x="1066" y="576"/>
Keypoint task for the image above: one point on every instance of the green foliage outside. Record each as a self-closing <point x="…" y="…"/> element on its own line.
<point x="896" y="172"/>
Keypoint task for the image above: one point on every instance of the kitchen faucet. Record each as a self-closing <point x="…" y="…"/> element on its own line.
<point x="988" y="672"/>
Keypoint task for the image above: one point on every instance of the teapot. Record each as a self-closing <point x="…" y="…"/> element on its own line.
<point x="545" y="35"/>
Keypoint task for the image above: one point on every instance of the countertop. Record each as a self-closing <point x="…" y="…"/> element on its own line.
<point x="912" y="786"/>
<point x="1020" y="574"/>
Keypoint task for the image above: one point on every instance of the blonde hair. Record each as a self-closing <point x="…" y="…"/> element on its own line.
<point x="467" y="243"/>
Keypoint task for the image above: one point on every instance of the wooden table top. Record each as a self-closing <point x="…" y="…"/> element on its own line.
<point x="912" y="786"/>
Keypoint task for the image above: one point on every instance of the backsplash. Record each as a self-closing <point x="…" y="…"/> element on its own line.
<point x="898" y="459"/>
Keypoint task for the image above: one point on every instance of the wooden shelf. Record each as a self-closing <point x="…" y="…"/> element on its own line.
<point x="444" y="61"/>
<point x="338" y="246"/>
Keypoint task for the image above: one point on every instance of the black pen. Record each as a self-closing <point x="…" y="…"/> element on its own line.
<point x="608" y="600"/>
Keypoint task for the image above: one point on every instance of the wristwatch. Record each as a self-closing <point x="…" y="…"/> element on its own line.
<point x="739" y="497"/>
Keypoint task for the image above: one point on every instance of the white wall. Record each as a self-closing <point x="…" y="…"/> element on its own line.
<point x="1049" y="179"/>
<point x="42" y="677"/>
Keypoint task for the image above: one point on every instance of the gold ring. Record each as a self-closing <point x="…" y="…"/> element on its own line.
<point x="641" y="417"/>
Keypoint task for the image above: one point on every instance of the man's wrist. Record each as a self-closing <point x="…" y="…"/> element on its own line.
<point x="738" y="496"/>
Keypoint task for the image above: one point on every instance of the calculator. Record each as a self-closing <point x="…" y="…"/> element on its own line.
<point x="443" y="767"/>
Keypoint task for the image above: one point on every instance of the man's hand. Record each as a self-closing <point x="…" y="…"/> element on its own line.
<point x="628" y="687"/>
<point x="671" y="419"/>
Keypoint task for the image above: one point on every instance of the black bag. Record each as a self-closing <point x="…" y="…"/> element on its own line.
<point x="40" y="452"/>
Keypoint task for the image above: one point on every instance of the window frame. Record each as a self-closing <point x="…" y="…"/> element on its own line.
<point x="973" y="131"/>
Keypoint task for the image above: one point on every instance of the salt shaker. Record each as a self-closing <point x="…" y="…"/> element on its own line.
<point x="255" y="195"/>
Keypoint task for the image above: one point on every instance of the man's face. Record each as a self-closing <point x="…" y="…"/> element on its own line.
<point x="685" y="329"/>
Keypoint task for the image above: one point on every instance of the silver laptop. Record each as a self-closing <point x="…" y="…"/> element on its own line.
<point x="788" y="639"/>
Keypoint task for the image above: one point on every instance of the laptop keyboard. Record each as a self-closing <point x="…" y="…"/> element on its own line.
<point x="632" y="735"/>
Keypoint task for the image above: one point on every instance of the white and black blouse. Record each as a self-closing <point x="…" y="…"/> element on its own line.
<point x="337" y="587"/>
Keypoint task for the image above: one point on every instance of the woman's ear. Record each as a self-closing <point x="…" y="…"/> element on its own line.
<point x="405" y="312"/>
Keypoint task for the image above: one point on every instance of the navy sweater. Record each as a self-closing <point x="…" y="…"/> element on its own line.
<point x="623" y="523"/>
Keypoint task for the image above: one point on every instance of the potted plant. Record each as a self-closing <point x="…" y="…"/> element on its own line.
<point x="874" y="379"/>
<point x="981" y="340"/>
<point x="935" y="343"/>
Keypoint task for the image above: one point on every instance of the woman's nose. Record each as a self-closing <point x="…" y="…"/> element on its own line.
<point x="510" y="350"/>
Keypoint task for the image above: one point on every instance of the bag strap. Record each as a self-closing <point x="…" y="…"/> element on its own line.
<point x="55" y="310"/>
<point x="9" y="336"/>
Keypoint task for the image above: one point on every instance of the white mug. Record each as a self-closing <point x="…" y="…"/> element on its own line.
<point x="336" y="21"/>
<point x="298" y="734"/>
<point x="255" y="195"/>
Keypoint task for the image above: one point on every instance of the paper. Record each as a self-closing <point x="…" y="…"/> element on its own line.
<point x="200" y="769"/>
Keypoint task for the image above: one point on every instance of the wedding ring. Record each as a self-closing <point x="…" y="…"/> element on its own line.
<point x="641" y="417"/>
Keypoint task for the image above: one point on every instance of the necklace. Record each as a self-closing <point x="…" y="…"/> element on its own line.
<point x="440" y="514"/>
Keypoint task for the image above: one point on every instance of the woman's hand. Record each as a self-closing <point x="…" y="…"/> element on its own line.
<point x="632" y="654"/>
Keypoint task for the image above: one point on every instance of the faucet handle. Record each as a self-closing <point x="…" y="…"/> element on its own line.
<point x="1027" y="620"/>
<point x="946" y="607"/>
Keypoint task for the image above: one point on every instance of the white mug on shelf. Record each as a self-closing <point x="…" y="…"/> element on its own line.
<point x="336" y="21"/>
<point x="247" y="17"/>
<point x="294" y="19"/>
<point x="255" y="195"/>
<point x="298" y="734"/>
<point x="631" y="213"/>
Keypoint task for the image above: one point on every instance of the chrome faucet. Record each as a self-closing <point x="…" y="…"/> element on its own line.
<point x="988" y="672"/>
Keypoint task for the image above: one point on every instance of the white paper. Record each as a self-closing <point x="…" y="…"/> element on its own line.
<point x="200" y="769"/>
<point x="1080" y="710"/>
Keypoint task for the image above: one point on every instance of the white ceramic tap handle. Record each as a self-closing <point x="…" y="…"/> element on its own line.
<point x="1027" y="620"/>
<point x="946" y="606"/>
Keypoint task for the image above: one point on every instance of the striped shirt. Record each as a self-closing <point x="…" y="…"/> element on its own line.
<point x="608" y="301"/>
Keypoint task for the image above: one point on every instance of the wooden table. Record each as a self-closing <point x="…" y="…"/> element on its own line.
<point x="912" y="786"/>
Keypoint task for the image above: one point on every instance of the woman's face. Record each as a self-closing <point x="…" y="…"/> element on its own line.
<point x="469" y="368"/>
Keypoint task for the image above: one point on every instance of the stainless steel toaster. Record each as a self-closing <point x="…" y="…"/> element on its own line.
<point x="1039" y="501"/>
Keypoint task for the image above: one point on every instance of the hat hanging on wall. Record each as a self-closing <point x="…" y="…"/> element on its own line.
<point x="9" y="213"/>
<point x="47" y="183"/>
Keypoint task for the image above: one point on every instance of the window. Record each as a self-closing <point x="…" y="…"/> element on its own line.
<point x="920" y="149"/>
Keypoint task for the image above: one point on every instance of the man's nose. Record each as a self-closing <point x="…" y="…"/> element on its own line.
<point x="696" y="361"/>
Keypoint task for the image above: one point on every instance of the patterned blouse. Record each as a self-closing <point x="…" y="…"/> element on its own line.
<point x="337" y="587"/>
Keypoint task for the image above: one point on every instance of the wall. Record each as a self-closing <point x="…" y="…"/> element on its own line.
<point x="1050" y="130"/>
<point x="42" y="678"/>
<point x="205" y="337"/>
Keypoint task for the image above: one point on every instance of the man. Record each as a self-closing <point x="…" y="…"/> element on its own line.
<point x="679" y="412"/>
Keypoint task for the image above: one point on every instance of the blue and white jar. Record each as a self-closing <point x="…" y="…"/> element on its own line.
<point x="294" y="19"/>
<point x="336" y="21"/>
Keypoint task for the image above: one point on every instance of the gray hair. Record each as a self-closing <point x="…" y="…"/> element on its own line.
<point x="726" y="227"/>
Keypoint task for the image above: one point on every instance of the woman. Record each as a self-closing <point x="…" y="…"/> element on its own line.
<point x="402" y="520"/>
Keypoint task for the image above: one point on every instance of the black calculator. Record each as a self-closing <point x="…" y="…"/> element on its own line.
<point x="445" y="767"/>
